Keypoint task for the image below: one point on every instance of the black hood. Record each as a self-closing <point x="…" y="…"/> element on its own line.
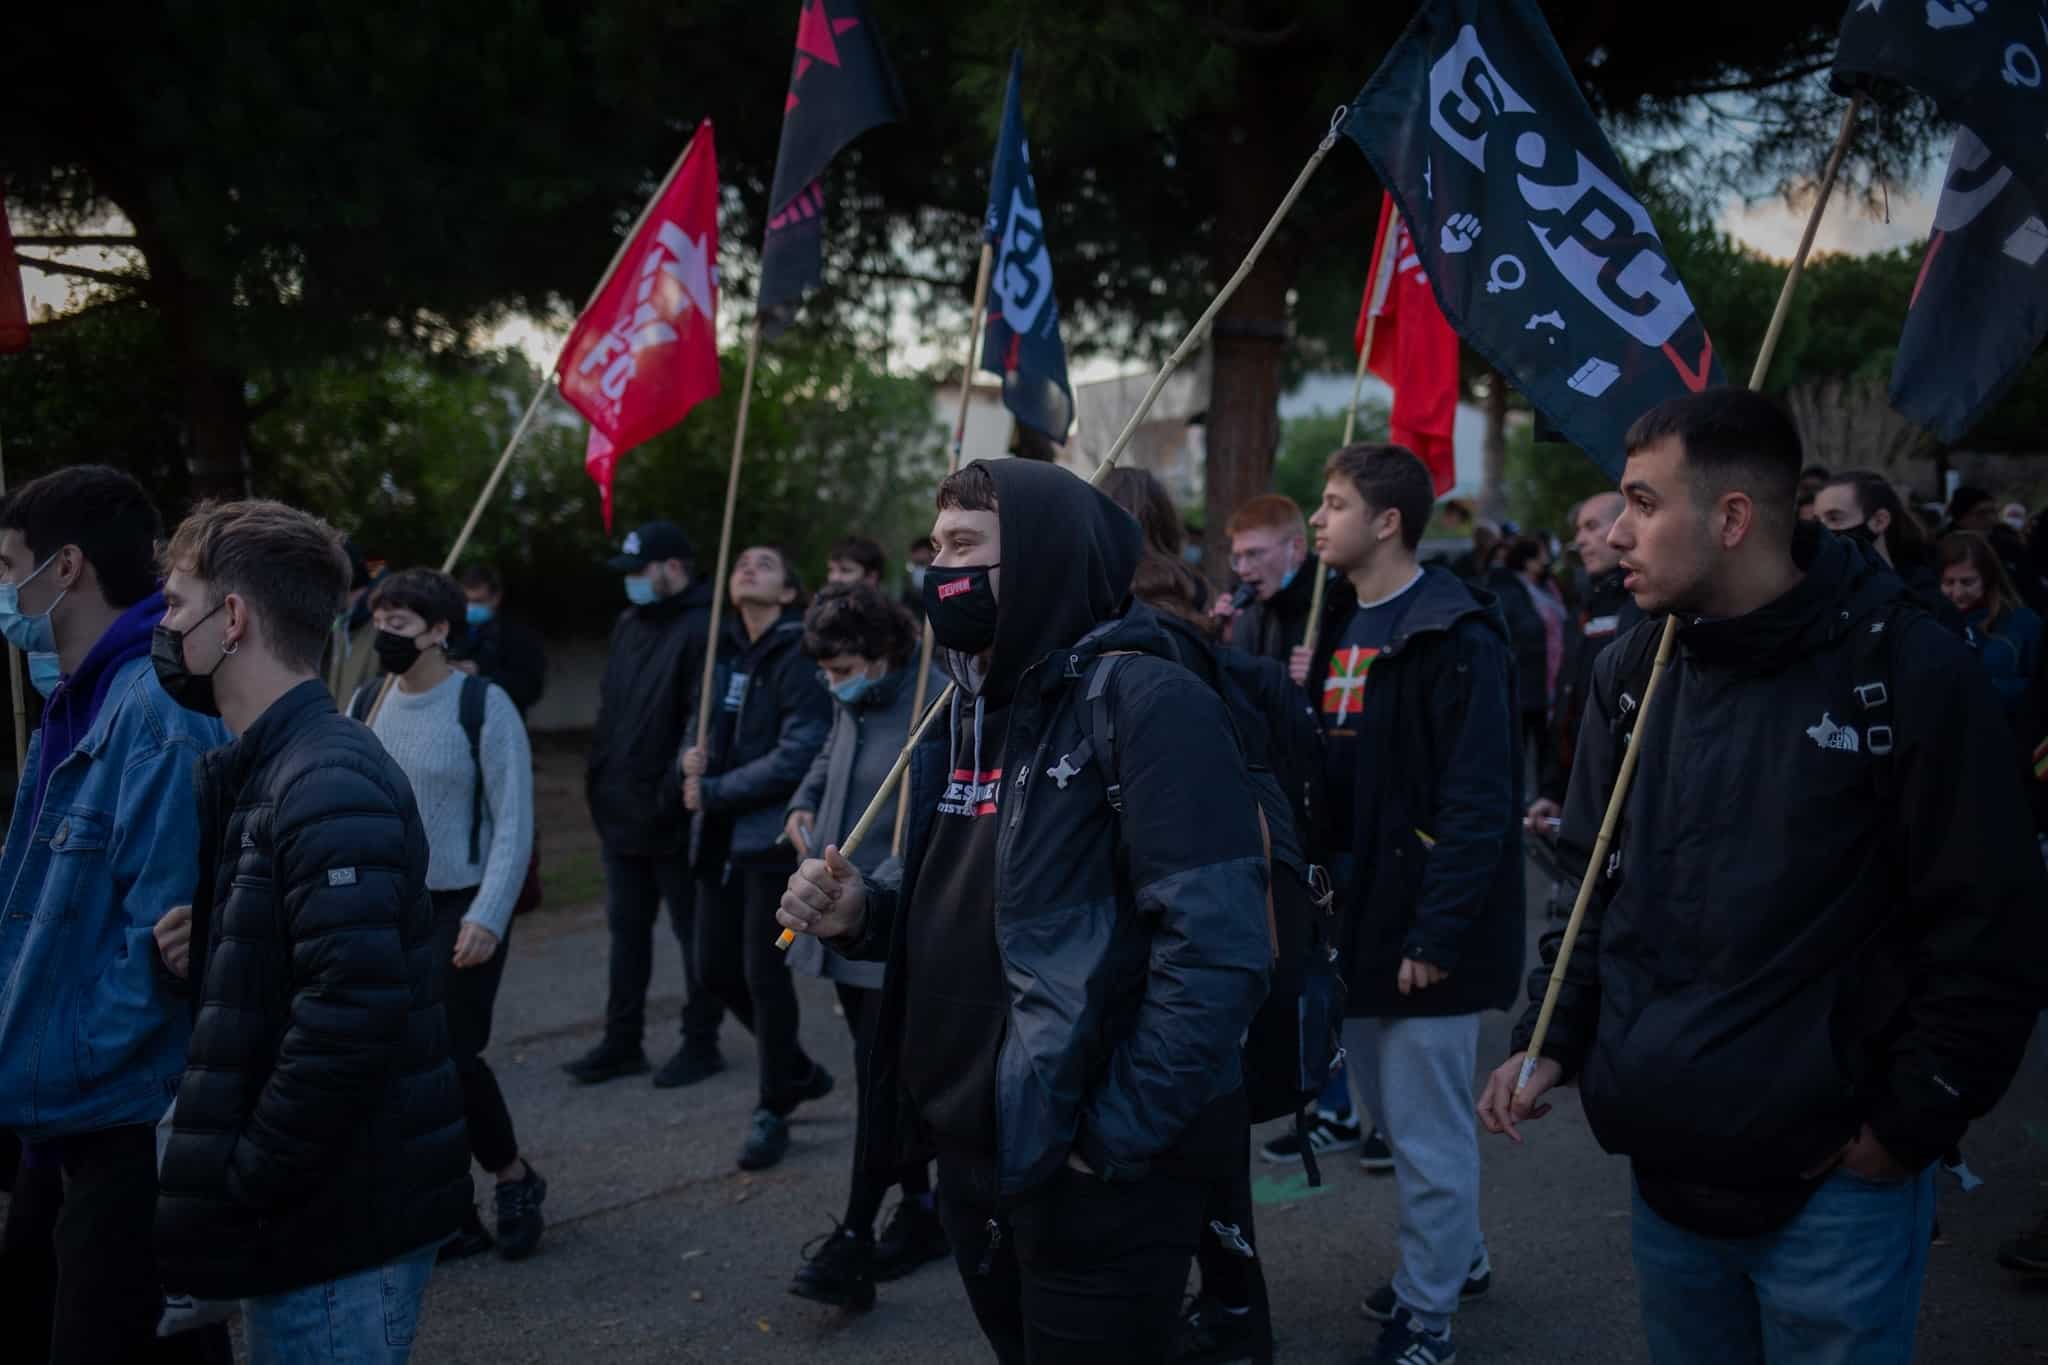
<point x="1068" y="556"/>
<point x="1843" y="582"/>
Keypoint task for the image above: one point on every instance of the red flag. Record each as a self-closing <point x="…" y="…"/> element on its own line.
<point x="13" y="308"/>
<point x="646" y="349"/>
<point x="1413" y="348"/>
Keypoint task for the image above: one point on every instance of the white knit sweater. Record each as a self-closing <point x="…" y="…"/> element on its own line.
<point x="423" y="732"/>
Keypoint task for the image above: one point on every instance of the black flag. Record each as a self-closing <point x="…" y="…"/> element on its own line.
<point x="1540" y="256"/>
<point x="1980" y="307"/>
<point x="1984" y="65"/>
<point x="840" y="85"/>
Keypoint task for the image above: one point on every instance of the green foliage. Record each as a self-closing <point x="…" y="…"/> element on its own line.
<point x="397" y="454"/>
<point x="1307" y="442"/>
<point x="1545" y="480"/>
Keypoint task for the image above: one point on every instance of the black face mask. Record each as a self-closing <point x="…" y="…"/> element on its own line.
<point x="1861" y="534"/>
<point x="193" y="691"/>
<point x="961" y="607"/>
<point x="396" y="653"/>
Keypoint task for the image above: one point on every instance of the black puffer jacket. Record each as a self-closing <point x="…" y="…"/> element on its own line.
<point x="653" y="669"/>
<point x="1135" y="949"/>
<point x="761" y="750"/>
<point x="1800" y="935"/>
<point x="319" y="1126"/>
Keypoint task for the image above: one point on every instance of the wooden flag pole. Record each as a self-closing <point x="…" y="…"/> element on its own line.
<point x="924" y="649"/>
<point x="547" y="383"/>
<point x="1312" y="634"/>
<point x="1667" y="642"/>
<point x="732" y="497"/>
<point x="1116" y="450"/>
<point x="15" y="682"/>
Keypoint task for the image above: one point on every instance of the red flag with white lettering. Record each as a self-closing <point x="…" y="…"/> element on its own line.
<point x="13" y="308"/>
<point x="1413" y="349"/>
<point x="646" y="349"/>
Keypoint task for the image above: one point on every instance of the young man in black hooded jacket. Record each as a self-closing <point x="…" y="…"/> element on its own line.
<point x="1818" y="950"/>
<point x="1068" y="983"/>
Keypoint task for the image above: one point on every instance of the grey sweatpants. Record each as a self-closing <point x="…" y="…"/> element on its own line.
<point x="1415" y="1077"/>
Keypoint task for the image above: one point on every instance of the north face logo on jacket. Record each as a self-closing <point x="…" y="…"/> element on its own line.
<point x="1829" y="735"/>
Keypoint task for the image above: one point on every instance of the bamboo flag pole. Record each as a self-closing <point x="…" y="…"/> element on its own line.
<point x="732" y="496"/>
<point x="1377" y="276"/>
<point x="1187" y="347"/>
<point x="547" y="384"/>
<point x="1667" y="642"/>
<point x="924" y="650"/>
<point x="15" y="683"/>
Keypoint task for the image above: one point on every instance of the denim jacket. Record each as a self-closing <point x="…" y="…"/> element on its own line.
<point x="89" y="1038"/>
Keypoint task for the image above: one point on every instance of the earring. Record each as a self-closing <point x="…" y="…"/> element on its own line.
<point x="230" y="646"/>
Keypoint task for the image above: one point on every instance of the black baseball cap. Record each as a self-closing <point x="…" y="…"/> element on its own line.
<point x="651" y="544"/>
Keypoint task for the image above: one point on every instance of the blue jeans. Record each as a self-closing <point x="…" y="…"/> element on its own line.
<point x="1838" y="1285"/>
<point x="362" y="1319"/>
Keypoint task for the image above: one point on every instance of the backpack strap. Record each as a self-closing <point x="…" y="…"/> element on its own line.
<point x="475" y="691"/>
<point x="1872" y="647"/>
<point x="1098" y="722"/>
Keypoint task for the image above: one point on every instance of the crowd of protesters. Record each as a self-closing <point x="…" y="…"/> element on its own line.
<point x="276" y="827"/>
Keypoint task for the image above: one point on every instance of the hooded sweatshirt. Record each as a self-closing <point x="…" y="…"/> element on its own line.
<point x="76" y="703"/>
<point x="1065" y="570"/>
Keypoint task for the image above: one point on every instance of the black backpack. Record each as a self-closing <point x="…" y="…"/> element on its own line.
<point x="1295" y="1039"/>
<point x="471" y="708"/>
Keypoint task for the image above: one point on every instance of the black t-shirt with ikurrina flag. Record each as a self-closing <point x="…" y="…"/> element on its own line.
<point x="957" y="1005"/>
<point x="1369" y="630"/>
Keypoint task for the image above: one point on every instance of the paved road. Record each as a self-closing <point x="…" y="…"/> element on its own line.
<point x="661" y="1251"/>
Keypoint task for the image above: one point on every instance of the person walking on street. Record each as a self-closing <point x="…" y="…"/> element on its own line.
<point x="460" y="743"/>
<point x="496" y="647"/>
<point x="770" y="722"/>
<point x="101" y="847"/>
<point x="652" y="670"/>
<point x="866" y="651"/>
<point x="316" y="1158"/>
<point x="1418" y="688"/>
<point x="1817" y="950"/>
<point x="1077" y="938"/>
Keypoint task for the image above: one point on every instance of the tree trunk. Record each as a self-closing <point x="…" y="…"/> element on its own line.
<point x="198" y="323"/>
<point x="1493" y="492"/>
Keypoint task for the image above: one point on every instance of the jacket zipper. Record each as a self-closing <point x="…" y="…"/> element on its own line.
<point x="988" y="1255"/>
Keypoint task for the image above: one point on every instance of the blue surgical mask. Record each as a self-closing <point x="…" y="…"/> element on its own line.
<point x="1287" y="580"/>
<point x="853" y="689"/>
<point x="45" y="671"/>
<point x="640" y="591"/>
<point x="29" y="634"/>
<point x="478" y="614"/>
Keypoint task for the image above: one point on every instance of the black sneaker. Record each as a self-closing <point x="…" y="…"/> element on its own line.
<point x="817" y="1087"/>
<point x="767" y="1141"/>
<point x="519" y="1220"/>
<point x="691" y="1064"/>
<point x="1381" y="1305"/>
<point x="839" y="1272"/>
<point x="1210" y="1334"/>
<point x="1374" y="1156"/>
<point x="473" y="1240"/>
<point x="1326" y="1135"/>
<point x="912" y="1237"/>
<point x="1404" y="1342"/>
<point x="606" y="1062"/>
<point x="2027" y="1254"/>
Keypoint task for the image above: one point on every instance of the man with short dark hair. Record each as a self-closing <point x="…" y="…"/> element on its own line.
<point x="495" y="647"/>
<point x="1078" y="939"/>
<point x="1416" y="686"/>
<point x="1817" y="951"/>
<point x="99" y="850"/>
<point x="653" y="669"/>
<point x="855" y="559"/>
<point x="315" y="1159"/>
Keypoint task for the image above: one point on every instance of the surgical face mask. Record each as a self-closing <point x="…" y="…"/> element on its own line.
<point x="45" y="671"/>
<point x="29" y="634"/>
<point x="478" y="614"/>
<point x="1287" y="579"/>
<point x="193" y="691"/>
<point x="397" y="653"/>
<point x="917" y="573"/>
<point x="853" y="689"/>
<point x="961" y="606"/>
<point x="640" y="591"/>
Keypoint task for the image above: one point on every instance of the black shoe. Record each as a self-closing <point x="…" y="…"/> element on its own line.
<point x="607" y="1061"/>
<point x="840" y="1272"/>
<point x="1381" y="1305"/>
<point x="912" y="1237"/>
<point x="1404" y="1342"/>
<point x="691" y="1064"/>
<point x="519" y="1220"/>
<point x="1374" y="1156"/>
<point x="767" y="1141"/>
<point x="1210" y="1334"/>
<point x="817" y="1087"/>
<point x="471" y="1241"/>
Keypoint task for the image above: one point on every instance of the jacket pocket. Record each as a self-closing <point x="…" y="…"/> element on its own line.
<point x="77" y="871"/>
